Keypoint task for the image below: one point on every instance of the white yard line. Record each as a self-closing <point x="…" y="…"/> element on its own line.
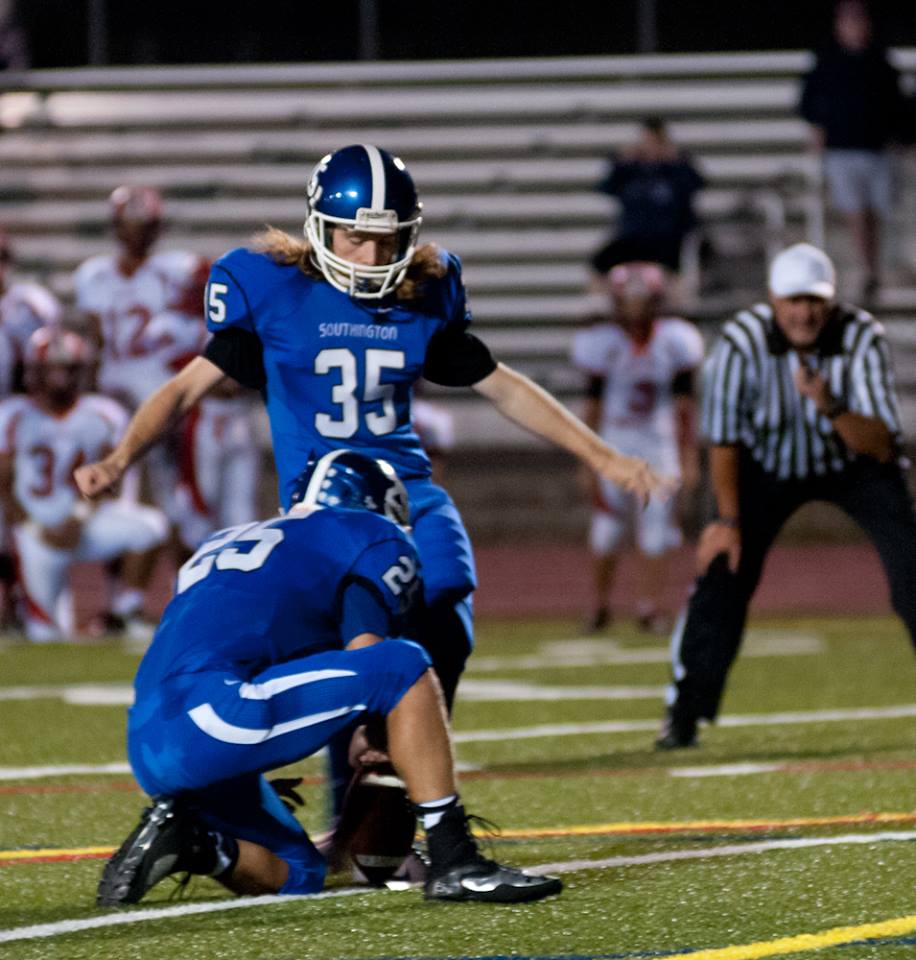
<point x="63" y="927"/>
<point x="62" y="770"/>
<point x="593" y="652"/>
<point x="728" y="850"/>
<point x="633" y="726"/>
<point x="492" y="691"/>
<point x="564" y="730"/>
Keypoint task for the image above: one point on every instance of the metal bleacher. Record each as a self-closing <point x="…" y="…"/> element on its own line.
<point x="505" y="153"/>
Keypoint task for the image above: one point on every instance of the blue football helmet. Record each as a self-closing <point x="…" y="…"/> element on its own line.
<point x="362" y="188"/>
<point x="352" y="481"/>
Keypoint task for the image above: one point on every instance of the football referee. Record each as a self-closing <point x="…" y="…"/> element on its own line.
<point x="798" y="405"/>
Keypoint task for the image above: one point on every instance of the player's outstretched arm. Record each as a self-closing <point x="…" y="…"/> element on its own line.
<point x="151" y="421"/>
<point x="523" y="402"/>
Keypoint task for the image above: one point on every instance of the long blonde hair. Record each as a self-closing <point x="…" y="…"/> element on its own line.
<point x="425" y="264"/>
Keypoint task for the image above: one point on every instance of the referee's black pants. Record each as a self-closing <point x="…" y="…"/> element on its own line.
<point x="708" y="635"/>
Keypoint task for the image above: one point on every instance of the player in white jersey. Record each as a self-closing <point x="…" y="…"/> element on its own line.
<point x="24" y="306"/>
<point x="640" y="399"/>
<point x="220" y="454"/>
<point x="44" y="435"/>
<point x="145" y="311"/>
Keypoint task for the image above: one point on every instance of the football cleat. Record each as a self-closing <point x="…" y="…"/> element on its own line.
<point x="457" y="871"/>
<point x="152" y="852"/>
<point x="677" y="732"/>
<point x="487" y="881"/>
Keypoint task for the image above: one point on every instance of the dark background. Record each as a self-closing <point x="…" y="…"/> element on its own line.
<point x="224" y="31"/>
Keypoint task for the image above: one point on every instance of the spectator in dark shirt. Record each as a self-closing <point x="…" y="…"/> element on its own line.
<point x="655" y="183"/>
<point x="853" y="102"/>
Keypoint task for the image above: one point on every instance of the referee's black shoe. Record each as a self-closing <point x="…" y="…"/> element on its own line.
<point x="677" y="732"/>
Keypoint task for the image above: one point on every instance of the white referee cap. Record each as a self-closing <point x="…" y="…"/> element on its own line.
<point x="802" y="270"/>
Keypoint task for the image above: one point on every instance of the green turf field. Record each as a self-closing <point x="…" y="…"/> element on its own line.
<point x="797" y="815"/>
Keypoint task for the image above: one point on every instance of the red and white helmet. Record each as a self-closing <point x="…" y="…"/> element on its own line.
<point x="637" y="280"/>
<point x="55" y="345"/>
<point x="136" y="204"/>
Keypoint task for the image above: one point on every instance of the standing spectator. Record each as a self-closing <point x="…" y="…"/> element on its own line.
<point x="640" y="399"/>
<point x="14" y="46"/>
<point x="852" y="100"/>
<point x="655" y="183"/>
<point x="45" y="435"/>
<point x="799" y="406"/>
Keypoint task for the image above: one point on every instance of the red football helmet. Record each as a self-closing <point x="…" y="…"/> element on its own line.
<point x="57" y="363"/>
<point x="137" y="216"/>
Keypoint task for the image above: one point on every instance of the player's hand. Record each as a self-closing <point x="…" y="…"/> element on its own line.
<point x="94" y="479"/>
<point x="65" y="536"/>
<point x="635" y="475"/>
<point x="362" y="753"/>
<point x="718" y="538"/>
<point x="811" y="384"/>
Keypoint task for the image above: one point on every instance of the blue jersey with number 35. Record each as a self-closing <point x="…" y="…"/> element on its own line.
<point x="264" y="593"/>
<point x="339" y="371"/>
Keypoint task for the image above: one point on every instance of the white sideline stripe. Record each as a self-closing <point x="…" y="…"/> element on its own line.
<point x="264" y="691"/>
<point x="634" y="726"/>
<point x="728" y="850"/>
<point x="214" y="726"/>
<point x="61" y="770"/>
<point x="62" y="927"/>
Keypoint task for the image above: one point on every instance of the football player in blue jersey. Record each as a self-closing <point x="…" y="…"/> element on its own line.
<point x="335" y="330"/>
<point x="281" y="634"/>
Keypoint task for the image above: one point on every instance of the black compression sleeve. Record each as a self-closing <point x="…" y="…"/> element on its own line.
<point x="239" y="354"/>
<point x="456" y="358"/>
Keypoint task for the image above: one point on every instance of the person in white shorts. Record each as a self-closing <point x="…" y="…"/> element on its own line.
<point x="44" y="435"/>
<point x="640" y="369"/>
<point x="144" y="309"/>
<point x="220" y="460"/>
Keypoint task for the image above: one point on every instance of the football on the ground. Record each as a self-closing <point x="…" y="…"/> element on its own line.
<point x="377" y="823"/>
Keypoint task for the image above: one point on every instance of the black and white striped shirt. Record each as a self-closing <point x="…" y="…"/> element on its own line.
<point x="750" y="397"/>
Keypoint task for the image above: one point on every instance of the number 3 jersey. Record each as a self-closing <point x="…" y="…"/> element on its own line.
<point x="338" y="371"/>
<point x="47" y="448"/>
<point x="265" y="593"/>
<point x="637" y="412"/>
